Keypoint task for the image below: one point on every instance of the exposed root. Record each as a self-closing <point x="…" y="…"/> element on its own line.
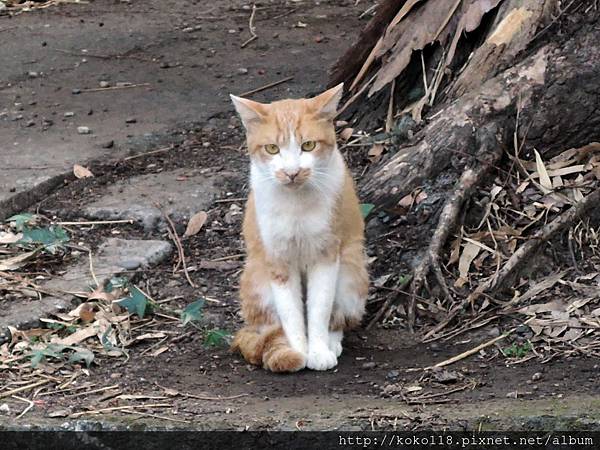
<point x="523" y="254"/>
<point x="470" y="178"/>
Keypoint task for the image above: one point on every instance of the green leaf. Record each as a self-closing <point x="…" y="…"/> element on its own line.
<point x="116" y="283"/>
<point x="192" y="312"/>
<point x="135" y="303"/>
<point x="216" y="338"/>
<point x="366" y="208"/>
<point x="21" y="220"/>
<point x="51" y="351"/>
<point x="51" y="237"/>
<point x="82" y="354"/>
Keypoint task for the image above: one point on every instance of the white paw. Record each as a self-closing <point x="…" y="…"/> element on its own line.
<point x="321" y="358"/>
<point x="335" y="342"/>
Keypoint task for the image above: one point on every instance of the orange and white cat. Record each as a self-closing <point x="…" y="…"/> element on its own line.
<point x="305" y="280"/>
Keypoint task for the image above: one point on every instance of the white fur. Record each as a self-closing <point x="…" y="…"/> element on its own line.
<point x="295" y="227"/>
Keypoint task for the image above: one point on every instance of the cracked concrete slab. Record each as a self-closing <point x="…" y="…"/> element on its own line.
<point x="130" y="75"/>
<point x="114" y="257"/>
<point x="181" y="193"/>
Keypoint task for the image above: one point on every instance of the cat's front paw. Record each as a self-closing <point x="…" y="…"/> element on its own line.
<point x="320" y="358"/>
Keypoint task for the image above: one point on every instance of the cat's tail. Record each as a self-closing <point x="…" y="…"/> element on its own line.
<point x="268" y="347"/>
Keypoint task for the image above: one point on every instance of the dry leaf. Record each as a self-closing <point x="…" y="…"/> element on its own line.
<point x="79" y="336"/>
<point x="16" y="262"/>
<point x="543" y="173"/>
<point x="346" y="133"/>
<point x="195" y="224"/>
<point x="10" y="238"/>
<point x="82" y="172"/>
<point x="375" y="152"/>
<point x="470" y="251"/>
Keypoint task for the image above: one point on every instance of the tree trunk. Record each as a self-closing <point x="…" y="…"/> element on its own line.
<point x="486" y="82"/>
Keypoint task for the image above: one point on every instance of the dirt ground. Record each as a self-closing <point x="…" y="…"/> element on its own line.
<point x="215" y="388"/>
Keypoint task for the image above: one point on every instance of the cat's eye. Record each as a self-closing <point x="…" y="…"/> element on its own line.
<point x="271" y="149"/>
<point x="308" y="146"/>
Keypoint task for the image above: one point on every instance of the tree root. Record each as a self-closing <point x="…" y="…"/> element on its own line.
<point x="471" y="177"/>
<point x="524" y="253"/>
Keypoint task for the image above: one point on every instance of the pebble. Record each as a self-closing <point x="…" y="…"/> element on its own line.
<point x="33" y="74"/>
<point x="83" y="130"/>
<point x="536" y="376"/>
<point x="108" y="144"/>
<point x="369" y="365"/>
<point x="392" y="375"/>
<point x="164" y="65"/>
<point x="131" y="120"/>
<point x="4" y="408"/>
<point x="104" y="84"/>
<point x="69" y="114"/>
<point x="76" y="91"/>
<point x="242" y="71"/>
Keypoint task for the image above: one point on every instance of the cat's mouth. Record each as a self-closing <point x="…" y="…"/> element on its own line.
<point x="293" y="179"/>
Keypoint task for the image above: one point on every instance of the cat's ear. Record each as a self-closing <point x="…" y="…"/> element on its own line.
<point x="250" y="111"/>
<point x="326" y="104"/>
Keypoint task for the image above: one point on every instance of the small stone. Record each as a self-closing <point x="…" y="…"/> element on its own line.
<point x="83" y="130"/>
<point x="108" y="144"/>
<point x="104" y="84"/>
<point x="164" y="65"/>
<point x="242" y="71"/>
<point x="129" y="264"/>
<point x="76" y="91"/>
<point x="59" y="413"/>
<point x="33" y="74"/>
<point x="513" y="394"/>
<point x="536" y="376"/>
<point x="369" y="365"/>
<point x="392" y="375"/>
<point x="115" y="375"/>
<point x="30" y="123"/>
<point x="4" y="408"/>
<point x="69" y="114"/>
<point x="131" y="120"/>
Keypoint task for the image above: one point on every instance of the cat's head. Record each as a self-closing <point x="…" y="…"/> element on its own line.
<point x="291" y="141"/>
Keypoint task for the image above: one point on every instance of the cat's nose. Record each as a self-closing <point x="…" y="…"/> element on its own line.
<point x="292" y="174"/>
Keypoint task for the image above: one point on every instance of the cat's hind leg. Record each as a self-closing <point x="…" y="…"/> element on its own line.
<point x="350" y="296"/>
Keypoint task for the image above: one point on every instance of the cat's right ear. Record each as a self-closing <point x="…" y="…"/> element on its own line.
<point x="250" y="112"/>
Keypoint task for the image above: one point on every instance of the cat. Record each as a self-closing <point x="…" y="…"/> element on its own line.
<point x="305" y="279"/>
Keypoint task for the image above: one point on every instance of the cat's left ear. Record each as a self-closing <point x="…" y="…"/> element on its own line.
<point x="326" y="103"/>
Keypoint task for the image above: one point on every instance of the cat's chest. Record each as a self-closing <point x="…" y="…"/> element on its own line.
<point x="295" y="230"/>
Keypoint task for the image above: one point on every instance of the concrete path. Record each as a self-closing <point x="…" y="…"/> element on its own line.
<point x="100" y="80"/>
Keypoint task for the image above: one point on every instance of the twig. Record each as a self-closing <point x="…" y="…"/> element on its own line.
<point x="266" y="86"/>
<point x="474" y="350"/>
<point x="92" y="269"/>
<point x="120" y="408"/>
<point x="175" y="238"/>
<point x="23" y="388"/>
<point x="95" y="222"/>
<point x="388" y="303"/>
<point x="153" y="152"/>
<point x="29" y="406"/>
<point x="251" y="27"/>
<point x="229" y="200"/>
<point x="94" y="391"/>
<point x="156" y="416"/>
<point x="523" y="254"/>
<point x="201" y="397"/>
<point x="227" y="258"/>
<point x="113" y="88"/>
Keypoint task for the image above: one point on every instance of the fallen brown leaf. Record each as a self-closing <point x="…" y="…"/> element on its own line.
<point x="82" y="172"/>
<point x="195" y="224"/>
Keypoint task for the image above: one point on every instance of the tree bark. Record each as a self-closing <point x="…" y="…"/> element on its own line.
<point x="555" y="92"/>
